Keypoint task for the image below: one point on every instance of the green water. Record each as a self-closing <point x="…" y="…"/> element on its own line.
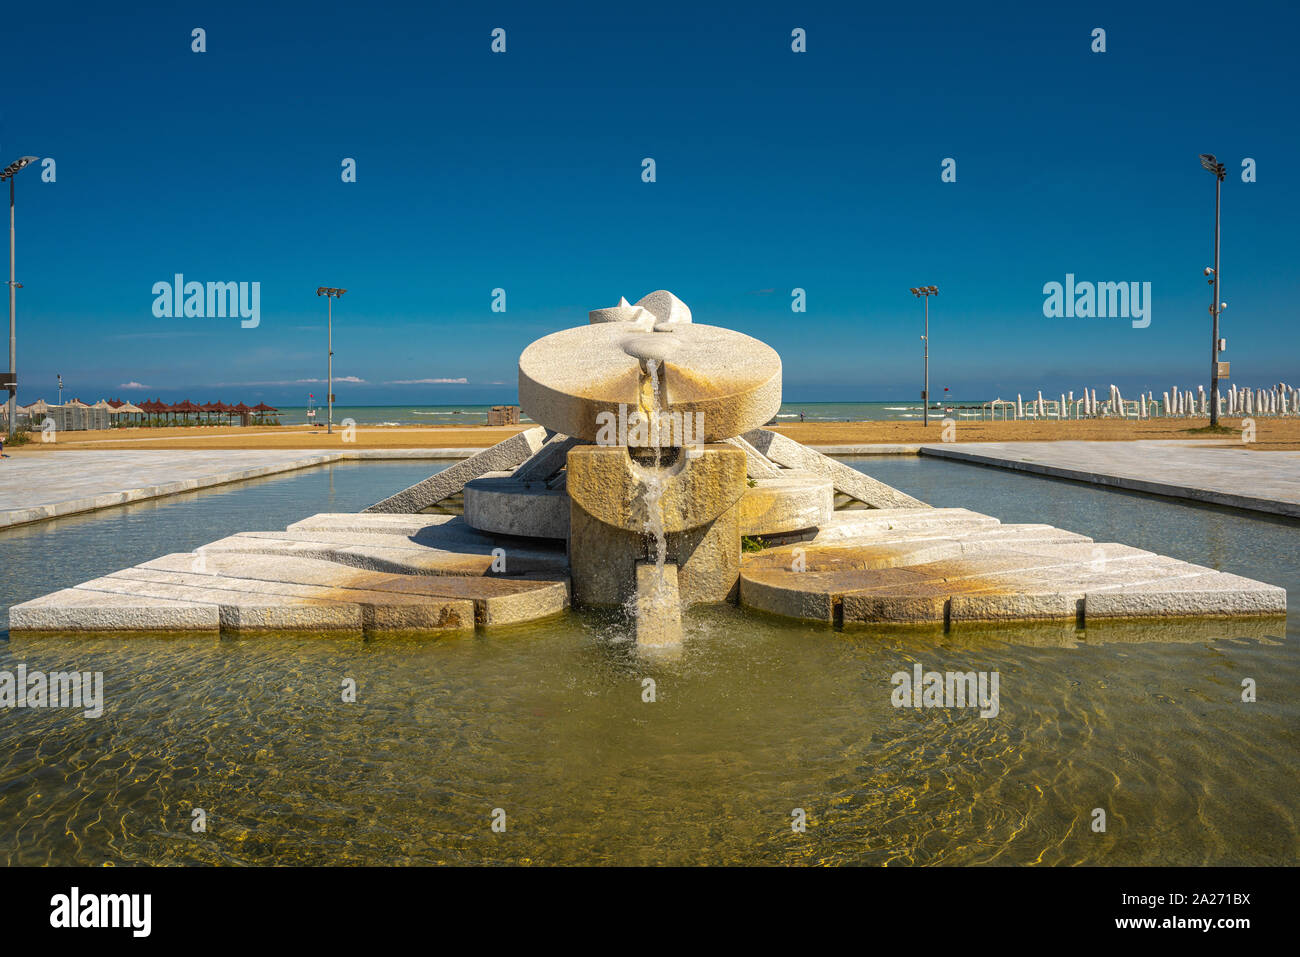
<point x="755" y="718"/>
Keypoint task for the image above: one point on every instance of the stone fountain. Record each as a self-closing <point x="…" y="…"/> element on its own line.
<point x="649" y="467"/>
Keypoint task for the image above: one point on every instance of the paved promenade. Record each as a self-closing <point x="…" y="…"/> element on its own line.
<point x="40" y="485"/>
<point x="1203" y="472"/>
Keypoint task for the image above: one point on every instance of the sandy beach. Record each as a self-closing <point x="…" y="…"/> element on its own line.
<point x="1270" y="434"/>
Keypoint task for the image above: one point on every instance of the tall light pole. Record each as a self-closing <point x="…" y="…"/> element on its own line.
<point x="1214" y="166"/>
<point x="331" y="294"/>
<point x="925" y="292"/>
<point x="11" y="381"/>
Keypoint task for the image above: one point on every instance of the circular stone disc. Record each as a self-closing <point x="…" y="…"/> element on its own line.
<point x="730" y="381"/>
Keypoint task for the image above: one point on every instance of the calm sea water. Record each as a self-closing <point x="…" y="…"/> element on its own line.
<point x="902" y="410"/>
<point x="757" y="717"/>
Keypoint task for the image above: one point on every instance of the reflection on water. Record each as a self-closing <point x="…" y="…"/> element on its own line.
<point x="755" y="718"/>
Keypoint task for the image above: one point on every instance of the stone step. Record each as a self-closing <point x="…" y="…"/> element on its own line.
<point x="497" y="601"/>
<point x="946" y="580"/>
<point x="1208" y="594"/>
<point x="791" y="501"/>
<point x="76" y="609"/>
<point x="394" y="554"/>
<point x="238" y="612"/>
<point x="392" y="522"/>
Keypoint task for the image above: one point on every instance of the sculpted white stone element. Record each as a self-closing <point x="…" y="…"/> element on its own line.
<point x="665" y="307"/>
<point x="623" y="313"/>
<point x="659" y="308"/>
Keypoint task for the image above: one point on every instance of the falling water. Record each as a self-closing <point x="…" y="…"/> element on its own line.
<point x="653" y="484"/>
<point x="658" y="608"/>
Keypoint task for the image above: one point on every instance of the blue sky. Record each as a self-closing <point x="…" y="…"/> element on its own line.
<point x="522" y="170"/>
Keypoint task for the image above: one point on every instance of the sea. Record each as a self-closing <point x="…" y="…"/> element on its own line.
<point x="894" y="410"/>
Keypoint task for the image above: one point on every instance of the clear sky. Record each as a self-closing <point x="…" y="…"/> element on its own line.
<point x="523" y="171"/>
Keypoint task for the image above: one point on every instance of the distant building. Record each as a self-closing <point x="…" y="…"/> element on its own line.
<point x="503" y="415"/>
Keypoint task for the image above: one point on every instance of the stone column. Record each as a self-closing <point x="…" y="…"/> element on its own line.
<point x="700" y="512"/>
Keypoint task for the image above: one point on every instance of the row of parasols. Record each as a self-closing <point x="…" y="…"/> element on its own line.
<point x="179" y="413"/>
<point x="1279" y="399"/>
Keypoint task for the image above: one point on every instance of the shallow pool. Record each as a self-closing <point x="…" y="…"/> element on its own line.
<point x="549" y="727"/>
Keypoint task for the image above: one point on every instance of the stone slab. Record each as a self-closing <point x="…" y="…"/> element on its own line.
<point x="395" y="555"/>
<point x="988" y="572"/>
<point x="496" y="600"/>
<point x="503" y="456"/>
<point x="77" y="609"/>
<point x="862" y="487"/>
<point x="499" y="503"/>
<point x="332" y="573"/>
<point x="548" y="460"/>
<point x="792" y="501"/>
<point x="757" y="465"/>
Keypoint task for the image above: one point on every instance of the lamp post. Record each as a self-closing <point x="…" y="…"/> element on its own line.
<point x="331" y="294"/>
<point x="11" y="382"/>
<point x="1211" y="164"/>
<point x="925" y="292"/>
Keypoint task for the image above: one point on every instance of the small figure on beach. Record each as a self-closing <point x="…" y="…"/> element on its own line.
<point x="800" y="416"/>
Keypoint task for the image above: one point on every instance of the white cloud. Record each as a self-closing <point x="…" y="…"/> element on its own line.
<point x="461" y="381"/>
<point x="133" y="385"/>
<point x="355" y="380"/>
